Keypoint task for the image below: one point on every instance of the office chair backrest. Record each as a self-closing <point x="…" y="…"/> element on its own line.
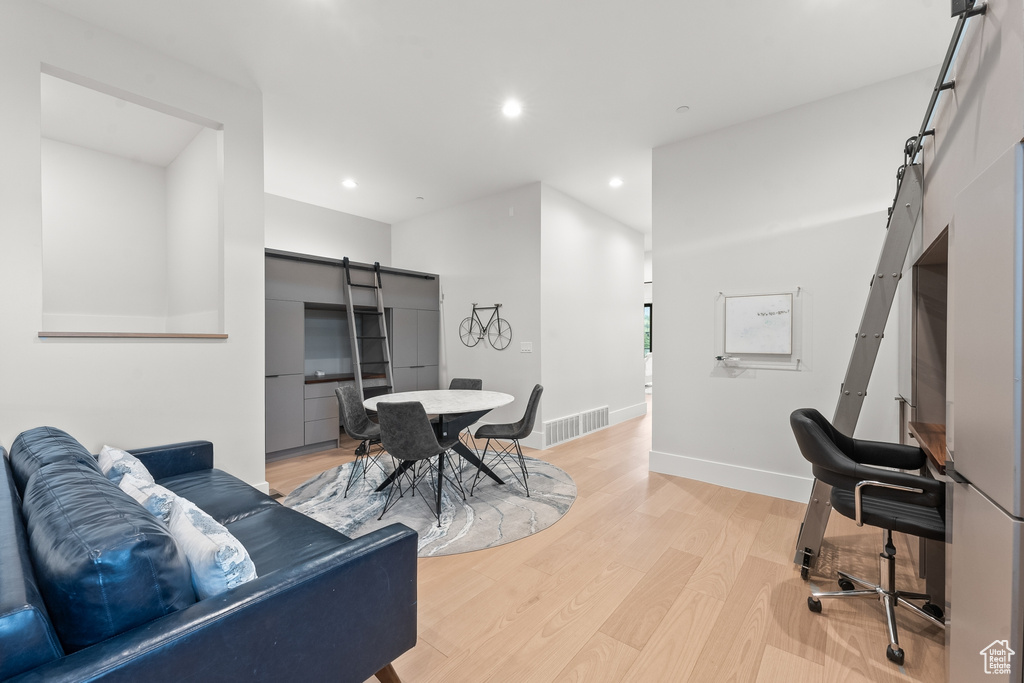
<point x="843" y="462"/>
<point x="405" y="430"/>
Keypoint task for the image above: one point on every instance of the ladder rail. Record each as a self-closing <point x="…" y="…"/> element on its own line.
<point x="385" y="340"/>
<point x="350" y="313"/>
<point x="903" y="220"/>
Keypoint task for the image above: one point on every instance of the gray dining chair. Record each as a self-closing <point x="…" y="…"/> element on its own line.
<point x="466" y="384"/>
<point x="510" y="433"/>
<point x="358" y="426"/>
<point x="407" y="435"/>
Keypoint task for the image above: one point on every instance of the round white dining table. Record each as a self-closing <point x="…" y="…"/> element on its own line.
<point x="456" y="409"/>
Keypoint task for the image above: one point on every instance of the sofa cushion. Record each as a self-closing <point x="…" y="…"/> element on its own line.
<point x="27" y="638"/>
<point x="218" y="561"/>
<point x="41" y="446"/>
<point x="104" y="564"/>
<point x="278" y="537"/>
<point x="222" y="496"/>
<point x="115" y="463"/>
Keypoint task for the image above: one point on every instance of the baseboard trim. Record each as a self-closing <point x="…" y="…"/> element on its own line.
<point x="748" y="479"/>
<point x="627" y="413"/>
<point x="536" y="438"/>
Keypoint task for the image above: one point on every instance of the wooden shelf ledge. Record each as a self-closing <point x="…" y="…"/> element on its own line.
<point x="932" y="438"/>
<point x="130" y="335"/>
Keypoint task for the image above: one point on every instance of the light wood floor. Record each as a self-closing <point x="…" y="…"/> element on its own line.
<point x="652" y="578"/>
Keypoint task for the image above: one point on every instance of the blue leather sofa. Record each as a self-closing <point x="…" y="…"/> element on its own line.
<point x="324" y="607"/>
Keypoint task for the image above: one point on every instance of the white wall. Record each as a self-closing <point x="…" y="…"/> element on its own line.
<point x="796" y="199"/>
<point x="125" y="392"/>
<point x="648" y="277"/>
<point x="591" y="311"/>
<point x="308" y="229"/>
<point x="485" y="251"/>
<point x="103" y="231"/>
<point x="194" y="254"/>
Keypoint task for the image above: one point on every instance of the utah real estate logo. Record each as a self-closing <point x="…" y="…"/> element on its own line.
<point x="997" y="657"/>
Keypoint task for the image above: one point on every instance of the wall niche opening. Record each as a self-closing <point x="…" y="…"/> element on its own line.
<point x="132" y="208"/>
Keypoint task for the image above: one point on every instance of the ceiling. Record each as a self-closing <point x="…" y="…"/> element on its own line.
<point x="404" y="96"/>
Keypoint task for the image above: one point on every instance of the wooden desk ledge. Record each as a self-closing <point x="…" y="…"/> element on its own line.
<point x="932" y="438"/>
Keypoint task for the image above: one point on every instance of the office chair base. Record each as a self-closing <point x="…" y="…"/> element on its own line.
<point x="888" y="596"/>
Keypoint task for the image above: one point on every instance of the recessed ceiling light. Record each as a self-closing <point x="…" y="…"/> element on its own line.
<point x="349" y="183"/>
<point x="615" y="182"/>
<point x="682" y="110"/>
<point x="512" y="108"/>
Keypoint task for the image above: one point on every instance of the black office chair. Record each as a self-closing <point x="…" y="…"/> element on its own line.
<point x="863" y="490"/>
<point x="407" y="435"/>
<point x="358" y="426"/>
<point x="511" y="433"/>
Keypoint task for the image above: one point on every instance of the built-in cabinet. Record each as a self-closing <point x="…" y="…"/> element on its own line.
<point x="415" y="348"/>
<point x="308" y="346"/>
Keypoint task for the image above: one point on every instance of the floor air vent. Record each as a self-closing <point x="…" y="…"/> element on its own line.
<point x="562" y="429"/>
<point x="568" y="428"/>
<point x="592" y="420"/>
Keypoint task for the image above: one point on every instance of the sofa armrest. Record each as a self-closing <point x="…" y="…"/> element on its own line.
<point x="176" y="458"/>
<point x="341" y="616"/>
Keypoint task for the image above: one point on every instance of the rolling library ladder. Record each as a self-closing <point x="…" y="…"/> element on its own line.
<point x="372" y="330"/>
<point x="905" y="214"/>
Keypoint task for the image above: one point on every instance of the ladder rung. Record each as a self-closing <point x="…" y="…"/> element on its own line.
<point x="371" y="337"/>
<point x="356" y="284"/>
<point x="369" y="312"/>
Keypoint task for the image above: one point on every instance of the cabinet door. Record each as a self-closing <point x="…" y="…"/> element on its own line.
<point x="285" y="345"/>
<point x="403" y="337"/>
<point x="405" y="379"/>
<point x="284" y="412"/>
<point x="426" y="377"/>
<point x="428" y="328"/>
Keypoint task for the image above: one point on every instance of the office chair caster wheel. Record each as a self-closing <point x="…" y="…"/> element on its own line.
<point x="932" y="610"/>
<point x="846" y="585"/>
<point x="895" y="656"/>
<point x="814" y="604"/>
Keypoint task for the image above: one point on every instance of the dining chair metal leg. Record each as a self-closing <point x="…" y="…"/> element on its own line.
<point x="502" y="454"/>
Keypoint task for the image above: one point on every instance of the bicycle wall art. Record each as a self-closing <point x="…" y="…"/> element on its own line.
<point x="497" y="330"/>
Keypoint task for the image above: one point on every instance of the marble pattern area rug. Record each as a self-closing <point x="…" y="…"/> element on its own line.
<point x="495" y="514"/>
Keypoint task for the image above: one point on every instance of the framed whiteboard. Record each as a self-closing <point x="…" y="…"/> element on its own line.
<point x="759" y="324"/>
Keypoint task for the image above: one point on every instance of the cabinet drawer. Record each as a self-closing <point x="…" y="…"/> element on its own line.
<point x="320" y="390"/>
<point x="322" y="408"/>
<point x="319" y="431"/>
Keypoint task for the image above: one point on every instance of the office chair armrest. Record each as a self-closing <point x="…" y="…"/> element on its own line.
<point x="882" y="454"/>
<point x="858" y="495"/>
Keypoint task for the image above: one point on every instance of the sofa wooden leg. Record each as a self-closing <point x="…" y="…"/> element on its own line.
<point x="388" y="675"/>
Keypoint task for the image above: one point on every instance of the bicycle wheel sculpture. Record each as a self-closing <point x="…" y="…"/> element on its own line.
<point x="499" y="333"/>
<point x="470" y="331"/>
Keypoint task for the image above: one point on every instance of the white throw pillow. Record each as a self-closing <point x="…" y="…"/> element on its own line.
<point x="153" y="497"/>
<point x="115" y="463"/>
<point x="219" y="561"/>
